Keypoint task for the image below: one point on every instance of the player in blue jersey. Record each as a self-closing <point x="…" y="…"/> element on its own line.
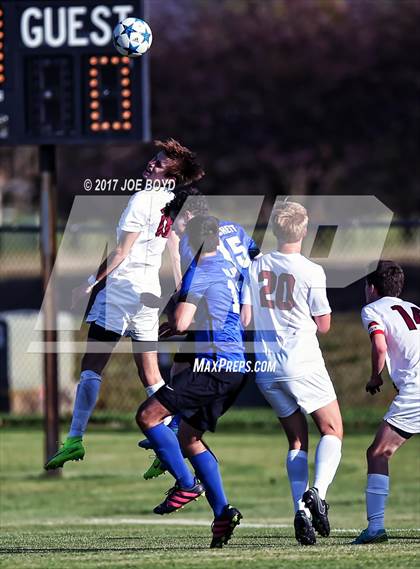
<point x="236" y="246"/>
<point x="209" y="296"/>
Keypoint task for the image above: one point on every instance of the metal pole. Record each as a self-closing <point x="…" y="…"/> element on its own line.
<point x="145" y="82"/>
<point x="48" y="253"/>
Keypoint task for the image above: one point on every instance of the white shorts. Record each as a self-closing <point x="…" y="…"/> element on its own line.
<point x="308" y="393"/>
<point x="404" y="411"/>
<point x="117" y="307"/>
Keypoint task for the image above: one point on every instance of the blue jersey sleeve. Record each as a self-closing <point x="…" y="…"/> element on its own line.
<point x="249" y="243"/>
<point x="194" y="286"/>
<point x="237" y="246"/>
<point x="253" y="248"/>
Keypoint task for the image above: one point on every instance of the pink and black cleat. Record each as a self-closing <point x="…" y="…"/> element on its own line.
<point x="179" y="497"/>
<point x="223" y="526"/>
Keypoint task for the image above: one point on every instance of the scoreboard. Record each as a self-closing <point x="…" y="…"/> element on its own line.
<point x="61" y="79"/>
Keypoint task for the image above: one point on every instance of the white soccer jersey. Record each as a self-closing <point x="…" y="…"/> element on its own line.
<point x="286" y="291"/>
<point x="399" y="321"/>
<point x="144" y="214"/>
<point x="117" y="306"/>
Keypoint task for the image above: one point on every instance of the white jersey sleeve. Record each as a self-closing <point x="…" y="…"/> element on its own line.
<point x="372" y="321"/>
<point x="136" y="215"/>
<point x="317" y="293"/>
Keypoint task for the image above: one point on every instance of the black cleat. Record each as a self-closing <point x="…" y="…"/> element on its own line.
<point x="319" y="511"/>
<point x="145" y="443"/>
<point x="223" y="526"/>
<point x="179" y="497"/>
<point x="304" y="532"/>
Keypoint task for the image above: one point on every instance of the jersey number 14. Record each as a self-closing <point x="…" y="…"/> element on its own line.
<point x="411" y="322"/>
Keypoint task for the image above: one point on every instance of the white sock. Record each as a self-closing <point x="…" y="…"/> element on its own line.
<point x="327" y="459"/>
<point x="86" y="396"/>
<point x="151" y="390"/>
<point x="377" y="491"/>
<point x="297" y="470"/>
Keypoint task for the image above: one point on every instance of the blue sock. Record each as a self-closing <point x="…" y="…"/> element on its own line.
<point x="174" y="424"/>
<point x="207" y="470"/>
<point x="165" y="444"/>
<point x="84" y="404"/>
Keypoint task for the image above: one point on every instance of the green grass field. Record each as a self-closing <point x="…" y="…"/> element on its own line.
<point x="98" y="514"/>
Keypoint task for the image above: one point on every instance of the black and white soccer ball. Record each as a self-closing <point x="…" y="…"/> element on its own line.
<point x="132" y="37"/>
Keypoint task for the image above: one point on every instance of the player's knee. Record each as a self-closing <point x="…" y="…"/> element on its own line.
<point x="144" y="418"/>
<point x="332" y="428"/>
<point x="93" y="362"/>
<point x="297" y="443"/>
<point x="382" y="452"/>
<point x="339" y="431"/>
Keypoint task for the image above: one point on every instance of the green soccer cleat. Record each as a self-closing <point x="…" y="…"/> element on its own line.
<point x="71" y="449"/>
<point x="365" y="537"/>
<point x="155" y="469"/>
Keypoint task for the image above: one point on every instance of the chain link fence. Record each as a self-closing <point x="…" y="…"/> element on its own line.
<point x="21" y="372"/>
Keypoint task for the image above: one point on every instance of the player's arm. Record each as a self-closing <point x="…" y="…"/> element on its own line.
<point x="318" y="300"/>
<point x="246" y="315"/>
<point x="323" y="323"/>
<point x="191" y="291"/>
<point x="173" y="246"/>
<point x="372" y="323"/>
<point x="118" y="255"/>
<point x="378" y="358"/>
<point x="246" y="301"/>
<point x="114" y="259"/>
<point x="184" y="315"/>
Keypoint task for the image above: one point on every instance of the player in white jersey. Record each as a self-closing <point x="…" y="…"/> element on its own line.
<point x="394" y="328"/>
<point x="287" y="297"/>
<point x="131" y="269"/>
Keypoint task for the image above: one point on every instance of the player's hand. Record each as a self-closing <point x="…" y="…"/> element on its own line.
<point x="166" y="330"/>
<point x="78" y="293"/>
<point x="374" y="385"/>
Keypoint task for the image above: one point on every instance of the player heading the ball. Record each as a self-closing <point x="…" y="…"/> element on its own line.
<point x="131" y="269"/>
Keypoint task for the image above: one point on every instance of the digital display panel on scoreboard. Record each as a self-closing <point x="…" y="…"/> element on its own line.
<point x="61" y="79"/>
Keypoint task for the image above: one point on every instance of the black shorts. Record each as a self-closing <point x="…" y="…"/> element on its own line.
<point x="100" y="334"/>
<point x="184" y="355"/>
<point x="201" y="398"/>
<point x="403" y="434"/>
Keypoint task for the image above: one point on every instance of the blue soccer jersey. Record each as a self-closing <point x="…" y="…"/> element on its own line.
<point x="236" y="246"/>
<point x="218" y="330"/>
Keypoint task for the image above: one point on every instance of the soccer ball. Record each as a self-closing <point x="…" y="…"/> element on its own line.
<point x="132" y="37"/>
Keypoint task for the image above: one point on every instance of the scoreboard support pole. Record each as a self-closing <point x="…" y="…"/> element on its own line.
<point x="48" y="254"/>
<point x="145" y="82"/>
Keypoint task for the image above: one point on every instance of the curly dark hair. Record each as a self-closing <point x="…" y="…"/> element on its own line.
<point x="388" y="278"/>
<point x="183" y="164"/>
<point x="196" y="202"/>
<point x="203" y="233"/>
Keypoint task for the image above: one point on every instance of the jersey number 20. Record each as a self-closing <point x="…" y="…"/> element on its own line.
<point x="282" y="285"/>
